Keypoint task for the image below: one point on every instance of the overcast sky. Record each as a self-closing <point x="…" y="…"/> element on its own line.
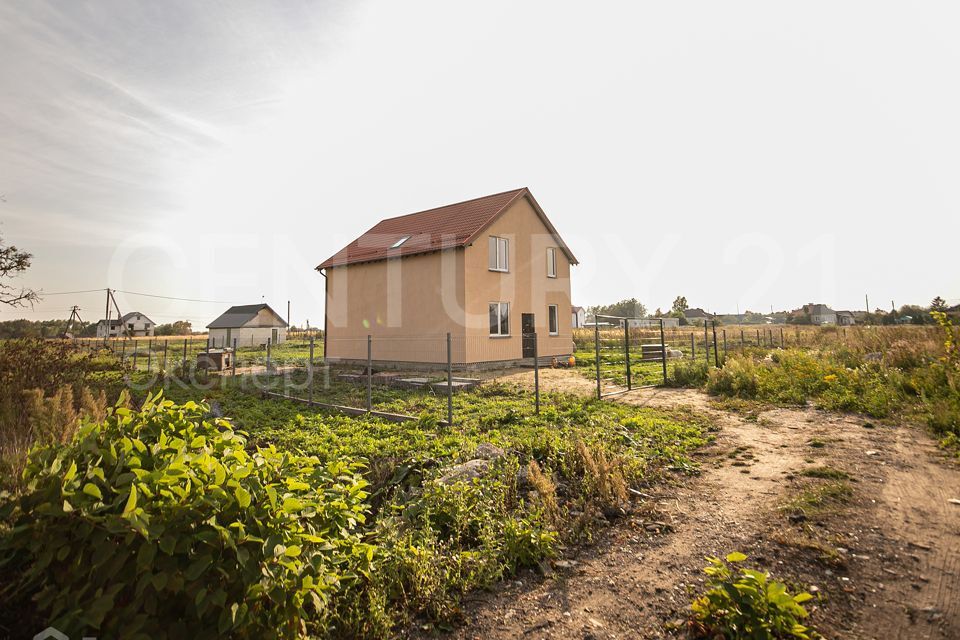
<point x="740" y="154"/>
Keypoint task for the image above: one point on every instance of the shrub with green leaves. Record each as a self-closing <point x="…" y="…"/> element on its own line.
<point x="744" y="603"/>
<point x="159" y="523"/>
<point x="688" y="373"/>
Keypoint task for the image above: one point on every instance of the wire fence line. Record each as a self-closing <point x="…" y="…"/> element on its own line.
<point x="298" y="368"/>
<point x="631" y="352"/>
<point x="365" y="374"/>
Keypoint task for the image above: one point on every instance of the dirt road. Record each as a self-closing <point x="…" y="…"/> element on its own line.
<point x="883" y="559"/>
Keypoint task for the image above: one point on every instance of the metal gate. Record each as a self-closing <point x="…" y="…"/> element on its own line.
<point x="629" y="353"/>
<point x="633" y="353"/>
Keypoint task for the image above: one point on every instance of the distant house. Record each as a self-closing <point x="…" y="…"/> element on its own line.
<point x="578" y="317"/>
<point x="820" y="314"/>
<point x="250" y="325"/>
<point x="697" y="316"/>
<point x="131" y="324"/>
<point x="846" y="318"/>
<point x="653" y="323"/>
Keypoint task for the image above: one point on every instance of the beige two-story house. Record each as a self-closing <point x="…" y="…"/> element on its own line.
<point x="491" y="272"/>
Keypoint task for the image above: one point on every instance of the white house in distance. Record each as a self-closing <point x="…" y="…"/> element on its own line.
<point x="578" y="317"/>
<point x="653" y="323"/>
<point x="250" y="325"/>
<point x="821" y="314"/>
<point x="131" y="324"/>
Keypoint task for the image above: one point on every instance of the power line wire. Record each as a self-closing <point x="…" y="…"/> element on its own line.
<point x="69" y="293"/>
<point x="132" y="293"/>
<point x="153" y="295"/>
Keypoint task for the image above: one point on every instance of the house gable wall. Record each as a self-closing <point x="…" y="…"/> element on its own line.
<point x="526" y="287"/>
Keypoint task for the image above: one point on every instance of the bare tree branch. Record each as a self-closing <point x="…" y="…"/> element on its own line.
<point x="13" y="262"/>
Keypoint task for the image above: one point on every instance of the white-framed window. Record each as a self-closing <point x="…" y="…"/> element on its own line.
<point x="551" y="262"/>
<point x="553" y="318"/>
<point x="399" y="242"/>
<point x="499" y="318"/>
<point x="499" y="254"/>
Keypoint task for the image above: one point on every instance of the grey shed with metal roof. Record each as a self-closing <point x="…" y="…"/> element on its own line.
<point x="248" y="325"/>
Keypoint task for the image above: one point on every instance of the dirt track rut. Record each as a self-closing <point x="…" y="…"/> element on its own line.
<point x="897" y="543"/>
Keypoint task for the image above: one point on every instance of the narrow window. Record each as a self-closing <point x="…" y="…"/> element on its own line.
<point x="499" y="251"/>
<point x="499" y="318"/>
<point x="551" y="262"/>
<point x="399" y="242"/>
<point x="554" y="319"/>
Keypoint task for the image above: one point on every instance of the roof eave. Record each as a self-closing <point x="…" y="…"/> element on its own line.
<point x="410" y="254"/>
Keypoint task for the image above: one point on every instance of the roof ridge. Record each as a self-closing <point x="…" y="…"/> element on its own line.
<point x="451" y="204"/>
<point x="461" y="221"/>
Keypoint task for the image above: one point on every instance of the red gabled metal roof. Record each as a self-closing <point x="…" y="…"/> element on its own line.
<point x="453" y="225"/>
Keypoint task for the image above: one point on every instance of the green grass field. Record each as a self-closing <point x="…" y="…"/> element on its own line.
<point x="555" y="478"/>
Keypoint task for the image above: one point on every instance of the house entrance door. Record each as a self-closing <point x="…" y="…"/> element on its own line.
<point x="527" y="328"/>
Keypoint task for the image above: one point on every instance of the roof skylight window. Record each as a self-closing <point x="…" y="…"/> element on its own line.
<point x="399" y="242"/>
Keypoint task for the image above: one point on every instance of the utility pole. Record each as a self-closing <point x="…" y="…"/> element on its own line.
<point x="106" y="314"/>
<point x="866" y="299"/>
<point x="116" y="306"/>
<point x="74" y="315"/>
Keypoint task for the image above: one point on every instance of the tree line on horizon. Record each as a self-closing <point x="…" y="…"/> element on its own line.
<point x="906" y="314"/>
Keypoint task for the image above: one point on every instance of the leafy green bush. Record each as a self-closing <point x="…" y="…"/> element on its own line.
<point x="796" y="377"/>
<point x="737" y="379"/>
<point x="939" y="388"/>
<point x="688" y="373"/>
<point x="159" y="524"/>
<point x="747" y="604"/>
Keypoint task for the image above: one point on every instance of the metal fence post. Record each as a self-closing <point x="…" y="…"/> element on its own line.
<point x="369" y="373"/>
<point x="184" y="364"/>
<point x="234" y="357"/>
<point x="309" y="374"/>
<point x="449" y="381"/>
<point x="741" y="339"/>
<point x="536" y="375"/>
<point x="706" y="344"/>
<point x="663" y="353"/>
<point x="759" y="344"/>
<point x="693" y="347"/>
<point x="596" y="348"/>
<point x="135" y="352"/>
<point x="716" y="353"/>
<point x="626" y="350"/>
<point x="165" y="345"/>
<point x="782" y="343"/>
<point x="269" y="340"/>
<point x="724" y="343"/>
